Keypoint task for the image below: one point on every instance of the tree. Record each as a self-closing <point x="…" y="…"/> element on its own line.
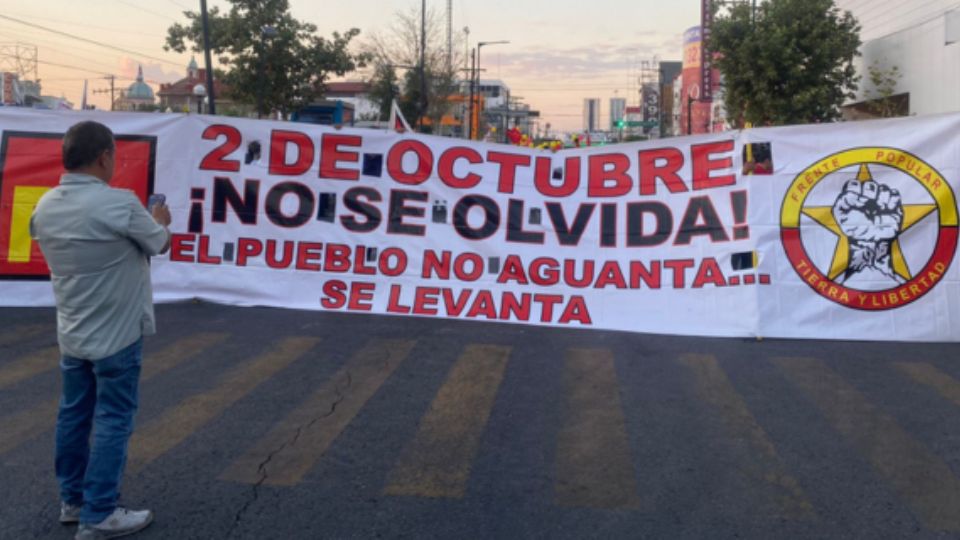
<point x="268" y="53"/>
<point x="880" y="99"/>
<point x="399" y="48"/>
<point x="384" y="87"/>
<point x="789" y="62"/>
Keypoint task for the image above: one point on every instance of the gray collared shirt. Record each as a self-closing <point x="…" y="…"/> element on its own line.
<point x="96" y="240"/>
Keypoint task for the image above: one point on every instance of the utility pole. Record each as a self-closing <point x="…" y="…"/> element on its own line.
<point x="212" y="109"/>
<point x="423" y="64"/>
<point x="112" y="80"/>
<point x="449" y="36"/>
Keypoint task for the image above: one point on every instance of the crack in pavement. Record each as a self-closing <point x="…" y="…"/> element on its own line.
<point x="262" y="467"/>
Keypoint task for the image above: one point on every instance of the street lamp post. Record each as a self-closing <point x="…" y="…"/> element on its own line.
<point x="199" y="91"/>
<point x="480" y="45"/>
<point x="473" y="66"/>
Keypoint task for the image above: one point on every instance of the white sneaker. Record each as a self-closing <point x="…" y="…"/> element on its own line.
<point x="120" y="523"/>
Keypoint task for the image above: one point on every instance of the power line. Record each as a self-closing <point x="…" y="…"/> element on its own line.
<point x="87" y="61"/>
<point x="145" y="10"/>
<point x="73" y="67"/>
<point x="179" y="5"/>
<point x="52" y="43"/>
<point x="86" y="25"/>
<point x="120" y="49"/>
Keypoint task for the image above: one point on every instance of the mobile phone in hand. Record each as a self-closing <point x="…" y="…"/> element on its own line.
<point x="155" y="199"/>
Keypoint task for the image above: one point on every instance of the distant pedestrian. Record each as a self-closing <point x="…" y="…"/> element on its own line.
<point x="96" y="241"/>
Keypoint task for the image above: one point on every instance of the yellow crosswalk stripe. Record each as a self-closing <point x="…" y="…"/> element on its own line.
<point x="178" y="352"/>
<point x="174" y="426"/>
<point x="923" y="480"/>
<point x="28" y="366"/>
<point x="594" y="465"/>
<point x="437" y="461"/>
<point x="929" y="375"/>
<point x="18" y="333"/>
<point x="20" y="427"/>
<point x="762" y="461"/>
<point x="285" y="454"/>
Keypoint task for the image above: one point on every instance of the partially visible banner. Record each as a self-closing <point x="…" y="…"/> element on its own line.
<point x="843" y="231"/>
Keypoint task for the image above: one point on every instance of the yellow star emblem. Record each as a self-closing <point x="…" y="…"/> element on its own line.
<point x="912" y="214"/>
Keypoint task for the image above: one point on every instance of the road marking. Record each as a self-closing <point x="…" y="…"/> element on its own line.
<point x="437" y="461"/>
<point x="763" y="462"/>
<point x="284" y="455"/>
<point x="25" y="425"/>
<point x="924" y="481"/>
<point x="929" y="375"/>
<point x="174" y="426"/>
<point x="179" y="351"/>
<point x="18" y="333"/>
<point x="29" y="366"/>
<point x="594" y="463"/>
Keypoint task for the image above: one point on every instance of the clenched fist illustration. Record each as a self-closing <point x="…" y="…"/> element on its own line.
<point x="870" y="214"/>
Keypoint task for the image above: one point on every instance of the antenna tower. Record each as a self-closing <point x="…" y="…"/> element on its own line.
<point x="19" y="58"/>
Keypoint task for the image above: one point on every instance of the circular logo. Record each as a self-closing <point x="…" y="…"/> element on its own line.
<point x="859" y="204"/>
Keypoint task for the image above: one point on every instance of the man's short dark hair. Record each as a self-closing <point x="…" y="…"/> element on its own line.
<point x="84" y="143"/>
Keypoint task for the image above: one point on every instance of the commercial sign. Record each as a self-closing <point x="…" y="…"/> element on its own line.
<point x="706" y="61"/>
<point x="853" y="235"/>
<point x="650" y="95"/>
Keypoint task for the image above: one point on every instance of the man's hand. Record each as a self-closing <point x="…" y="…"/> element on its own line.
<point x="871" y="215"/>
<point x="161" y="214"/>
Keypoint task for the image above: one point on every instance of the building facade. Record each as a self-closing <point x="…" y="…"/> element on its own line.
<point x="669" y="71"/>
<point x="356" y="94"/>
<point x="591" y="114"/>
<point x="618" y="111"/>
<point x="696" y="113"/>
<point x="922" y="39"/>
<point x="179" y="96"/>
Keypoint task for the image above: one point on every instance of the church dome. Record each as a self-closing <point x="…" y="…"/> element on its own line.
<point x="140" y="89"/>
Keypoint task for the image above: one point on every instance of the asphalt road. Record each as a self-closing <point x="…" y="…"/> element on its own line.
<point x="267" y="423"/>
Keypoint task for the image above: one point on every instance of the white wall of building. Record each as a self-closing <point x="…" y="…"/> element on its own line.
<point x="911" y="35"/>
<point x="496" y="94"/>
<point x="363" y="107"/>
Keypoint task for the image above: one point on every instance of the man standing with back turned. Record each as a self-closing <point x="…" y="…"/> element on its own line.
<point x="96" y="241"/>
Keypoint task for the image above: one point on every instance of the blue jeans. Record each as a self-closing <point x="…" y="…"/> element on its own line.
<point x="101" y="393"/>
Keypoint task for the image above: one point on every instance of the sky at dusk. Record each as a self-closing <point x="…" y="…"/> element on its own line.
<point x="560" y="51"/>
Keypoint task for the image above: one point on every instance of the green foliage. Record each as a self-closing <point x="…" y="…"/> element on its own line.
<point x="288" y="68"/>
<point x="789" y="63"/>
<point x="384" y="87"/>
<point x="399" y="49"/>
<point x="884" y="83"/>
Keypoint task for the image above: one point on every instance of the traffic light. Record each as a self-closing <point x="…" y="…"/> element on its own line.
<point x="620" y="124"/>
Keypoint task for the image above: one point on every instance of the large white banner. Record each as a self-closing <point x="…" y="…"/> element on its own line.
<point x="845" y="231"/>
